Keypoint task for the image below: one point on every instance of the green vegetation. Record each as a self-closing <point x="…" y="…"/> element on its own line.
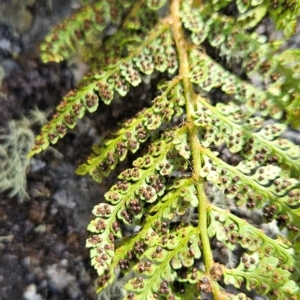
<point x="207" y="53"/>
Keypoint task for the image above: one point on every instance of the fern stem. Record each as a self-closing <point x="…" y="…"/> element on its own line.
<point x="133" y="12"/>
<point x="184" y="71"/>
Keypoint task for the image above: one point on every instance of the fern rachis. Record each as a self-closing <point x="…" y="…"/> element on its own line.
<point x="164" y="196"/>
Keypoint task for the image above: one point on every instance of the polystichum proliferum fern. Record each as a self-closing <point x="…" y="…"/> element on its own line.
<point x="208" y="52"/>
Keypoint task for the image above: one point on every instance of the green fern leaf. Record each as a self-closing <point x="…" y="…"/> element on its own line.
<point x="252" y="17"/>
<point x="107" y="155"/>
<point x="103" y="83"/>
<point x="156" y="4"/>
<point x="61" y="41"/>
<point x="234" y="93"/>
<point x="269" y="266"/>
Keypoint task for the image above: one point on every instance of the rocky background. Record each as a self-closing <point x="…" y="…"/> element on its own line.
<point x="42" y="235"/>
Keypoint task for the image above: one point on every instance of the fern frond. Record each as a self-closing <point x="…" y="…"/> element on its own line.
<point x="151" y="238"/>
<point x="291" y="58"/>
<point x="265" y="186"/>
<point x="156" y="232"/>
<point x="284" y="14"/>
<point x="156" y="4"/>
<point x="156" y="271"/>
<point x="269" y="266"/>
<point x="61" y="42"/>
<point x="134" y="30"/>
<point x="208" y="75"/>
<point x="133" y="132"/>
<point x="142" y="184"/>
<point x="258" y="57"/>
<point x="266" y="277"/>
<point x="156" y="53"/>
<point x="79" y="32"/>
<point x="245" y="134"/>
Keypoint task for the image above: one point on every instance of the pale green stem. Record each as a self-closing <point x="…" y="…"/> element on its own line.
<point x="190" y="97"/>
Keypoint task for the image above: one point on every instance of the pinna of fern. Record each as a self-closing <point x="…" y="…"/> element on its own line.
<point x="163" y="197"/>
